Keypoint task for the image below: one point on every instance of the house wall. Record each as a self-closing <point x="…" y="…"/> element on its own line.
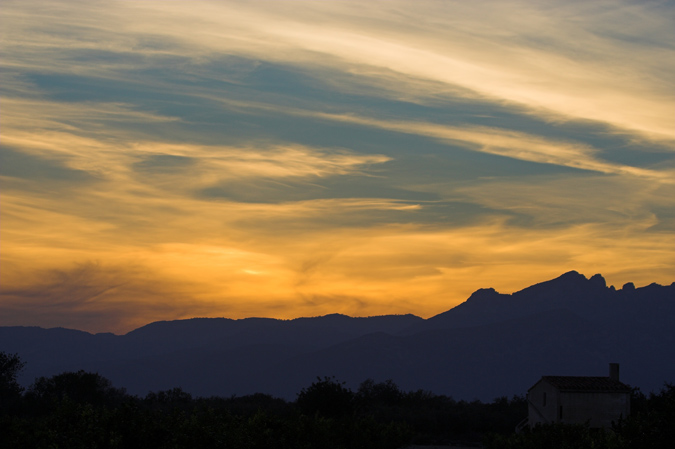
<point x="600" y="409"/>
<point x="540" y="412"/>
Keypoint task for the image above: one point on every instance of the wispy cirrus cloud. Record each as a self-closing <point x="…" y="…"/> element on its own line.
<point x="299" y="158"/>
<point x="564" y="62"/>
<point x="513" y="144"/>
<point x="92" y="296"/>
<point x="82" y="135"/>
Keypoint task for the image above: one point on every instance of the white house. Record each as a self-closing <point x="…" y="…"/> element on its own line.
<point x="579" y="400"/>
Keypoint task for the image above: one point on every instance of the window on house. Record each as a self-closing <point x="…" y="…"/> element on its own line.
<point x="544" y="402"/>
<point x="560" y="413"/>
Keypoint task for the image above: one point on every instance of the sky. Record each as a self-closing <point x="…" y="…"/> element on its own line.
<point x="162" y="160"/>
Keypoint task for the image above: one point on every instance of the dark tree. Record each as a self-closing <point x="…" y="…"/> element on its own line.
<point x="383" y="393"/>
<point x="10" y="390"/>
<point x="327" y="397"/>
<point x="651" y="423"/>
<point x="79" y="387"/>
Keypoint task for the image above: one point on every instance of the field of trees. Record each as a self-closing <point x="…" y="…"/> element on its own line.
<point x="83" y="410"/>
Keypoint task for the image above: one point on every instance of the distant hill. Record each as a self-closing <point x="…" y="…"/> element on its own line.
<point x="491" y="345"/>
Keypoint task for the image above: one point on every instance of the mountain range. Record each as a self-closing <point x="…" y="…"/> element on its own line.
<point x="491" y="345"/>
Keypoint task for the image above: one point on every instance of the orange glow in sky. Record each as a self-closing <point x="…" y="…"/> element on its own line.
<point x="165" y="160"/>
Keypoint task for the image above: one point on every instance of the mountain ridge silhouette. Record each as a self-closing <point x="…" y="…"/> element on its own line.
<point x="490" y="345"/>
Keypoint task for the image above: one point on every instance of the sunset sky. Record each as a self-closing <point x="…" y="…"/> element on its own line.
<point x="171" y="159"/>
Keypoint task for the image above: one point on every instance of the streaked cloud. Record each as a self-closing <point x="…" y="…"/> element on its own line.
<point x="605" y="61"/>
<point x="223" y="158"/>
<point x="516" y="145"/>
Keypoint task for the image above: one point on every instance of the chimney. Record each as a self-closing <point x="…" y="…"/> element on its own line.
<point x="614" y="371"/>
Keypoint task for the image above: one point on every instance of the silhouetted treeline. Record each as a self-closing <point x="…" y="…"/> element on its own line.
<point x="83" y="410"/>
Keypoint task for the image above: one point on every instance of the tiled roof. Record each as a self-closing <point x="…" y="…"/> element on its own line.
<point x="585" y="383"/>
